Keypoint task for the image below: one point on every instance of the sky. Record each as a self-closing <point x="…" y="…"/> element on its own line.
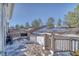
<point x="27" y="12"/>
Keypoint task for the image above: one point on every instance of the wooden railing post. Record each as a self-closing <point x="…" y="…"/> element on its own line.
<point x="53" y="42"/>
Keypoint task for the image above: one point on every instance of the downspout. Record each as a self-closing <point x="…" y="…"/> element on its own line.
<point x="2" y="33"/>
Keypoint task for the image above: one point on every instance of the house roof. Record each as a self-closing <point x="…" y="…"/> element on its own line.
<point x="61" y="30"/>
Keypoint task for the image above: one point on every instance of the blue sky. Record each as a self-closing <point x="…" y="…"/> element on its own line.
<point x="23" y="13"/>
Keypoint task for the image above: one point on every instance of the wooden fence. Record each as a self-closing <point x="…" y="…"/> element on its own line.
<point x="70" y="44"/>
<point x="63" y="43"/>
<point x="66" y="45"/>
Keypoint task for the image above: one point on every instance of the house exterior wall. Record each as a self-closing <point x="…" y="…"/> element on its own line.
<point x="5" y="15"/>
<point x="1" y="34"/>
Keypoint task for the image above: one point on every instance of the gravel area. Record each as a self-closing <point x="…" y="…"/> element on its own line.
<point x="36" y="50"/>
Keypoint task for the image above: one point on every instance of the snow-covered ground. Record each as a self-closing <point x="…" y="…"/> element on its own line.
<point x="17" y="48"/>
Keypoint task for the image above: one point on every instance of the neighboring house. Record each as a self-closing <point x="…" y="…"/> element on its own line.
<point x="5" y="15"/>
<point x="19" y="33"/>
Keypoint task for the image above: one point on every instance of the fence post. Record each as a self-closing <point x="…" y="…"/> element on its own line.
<point x="70" y="44"/>
<point x="53" y="42"/>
